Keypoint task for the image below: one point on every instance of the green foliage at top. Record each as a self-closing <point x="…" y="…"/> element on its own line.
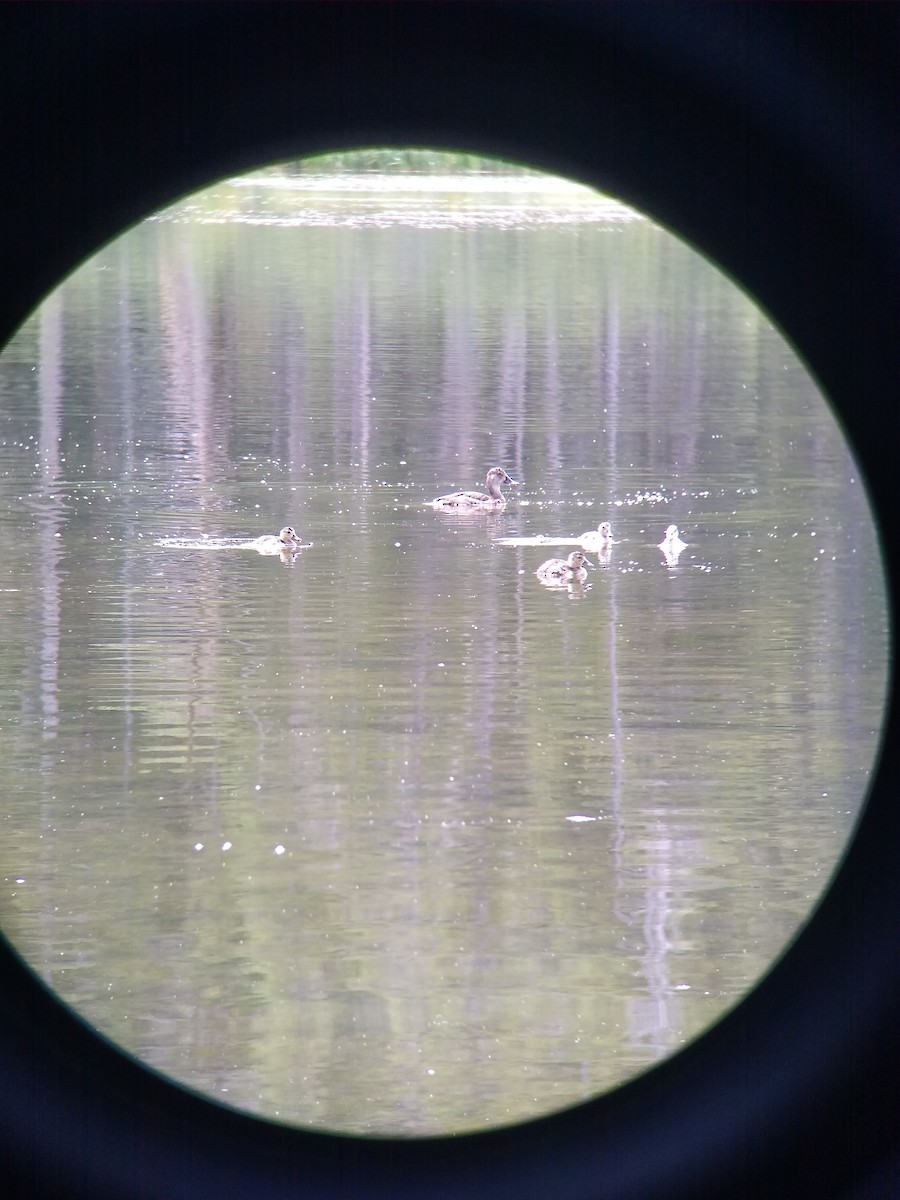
<point x="399" y="161"/>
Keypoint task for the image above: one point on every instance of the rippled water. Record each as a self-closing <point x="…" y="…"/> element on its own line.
<point x="384" y="835"/>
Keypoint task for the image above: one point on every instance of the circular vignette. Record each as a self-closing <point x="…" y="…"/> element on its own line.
<point x="777" y="164"/>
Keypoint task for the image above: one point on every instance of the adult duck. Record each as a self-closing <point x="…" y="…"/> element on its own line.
<point x="492" y="498"/>
<point x="564" y="570"/>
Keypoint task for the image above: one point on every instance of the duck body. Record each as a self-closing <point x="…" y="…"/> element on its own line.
<point x="563" y="570"/>
<point x="492" y="498"/>
<point x="672" y="545"/>
<point x="286" y="542"/>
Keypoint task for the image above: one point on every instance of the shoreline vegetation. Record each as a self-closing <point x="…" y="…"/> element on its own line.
<point x="395" y="169"/>
<point x="399" y="161"/>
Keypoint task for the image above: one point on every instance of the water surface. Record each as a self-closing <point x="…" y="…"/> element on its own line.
<point x="387" y="837"/>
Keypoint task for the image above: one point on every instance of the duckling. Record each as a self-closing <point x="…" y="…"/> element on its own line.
<point x="599" y="540"/>
<point x="564" y="570"/>
<point x="490" y="499"/>
<point x="672" y="546"/>
<point x="286" y="542"/>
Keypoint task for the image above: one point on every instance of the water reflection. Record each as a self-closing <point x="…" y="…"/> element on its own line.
<point x="399" y="840"/>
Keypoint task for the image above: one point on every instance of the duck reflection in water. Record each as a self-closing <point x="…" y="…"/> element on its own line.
<point x="560" y="572"/>
<point x="471" y="501"/>
<point x="671" y="546"/>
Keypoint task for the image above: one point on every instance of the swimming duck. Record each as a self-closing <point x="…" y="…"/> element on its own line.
<point x="599" y="540"/>
<point x="563" y="570"/>
<point x="286" y="542"/>
<point x="490" y="499"/>
<point x="672" y="546"/>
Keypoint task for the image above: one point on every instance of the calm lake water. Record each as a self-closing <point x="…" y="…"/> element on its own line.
<point x="389" y="837"/>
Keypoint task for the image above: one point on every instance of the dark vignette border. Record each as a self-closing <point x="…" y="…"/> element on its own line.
<point x="767" y="136"/>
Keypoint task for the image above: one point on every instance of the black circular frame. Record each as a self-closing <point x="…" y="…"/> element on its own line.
<point x="766" y="135"/>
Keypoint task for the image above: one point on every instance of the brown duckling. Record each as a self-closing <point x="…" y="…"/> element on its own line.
<point x="564" y="570"/>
